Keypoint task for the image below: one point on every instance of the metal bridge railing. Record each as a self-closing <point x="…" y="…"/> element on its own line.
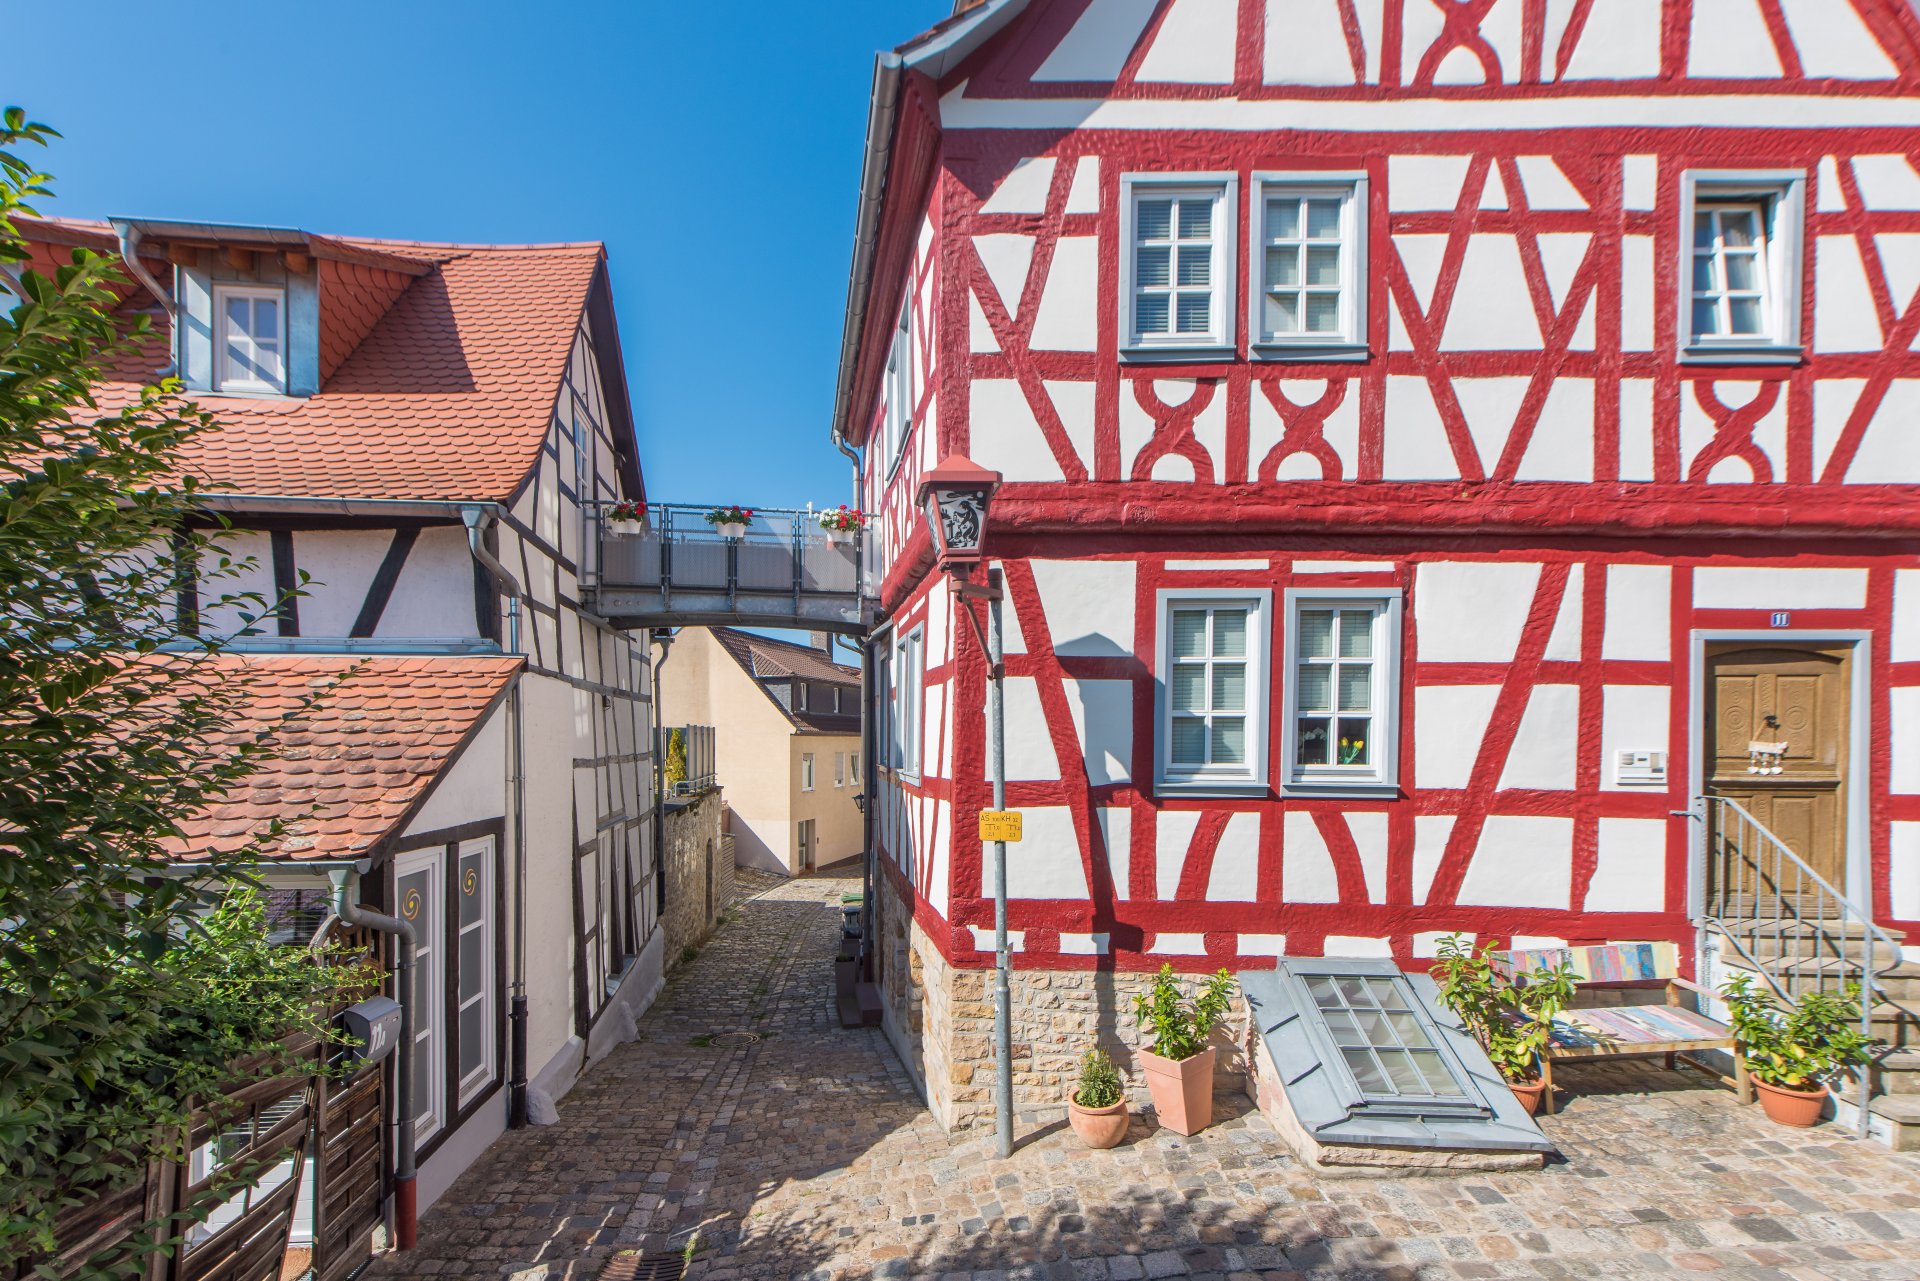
<point x="781" y="552"/>
<point x="1784" y="920"/>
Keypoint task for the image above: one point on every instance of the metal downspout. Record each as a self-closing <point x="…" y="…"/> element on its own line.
<point x="406" y="1203"/>
<point x="664" y="639"/>
<point x="130" y="254"/>
<point x="477" y="518"/>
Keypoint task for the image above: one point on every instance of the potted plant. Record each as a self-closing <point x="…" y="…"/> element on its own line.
<point x="842" y="524"/>
<point x="730" y="521"/>
<point x="625" y="519"/>
<point x="1097" y="1108"/>
<point x="1511" y="1016"/>
<point x="1179" y="1064"/>
<point x="1790" y="1051"/>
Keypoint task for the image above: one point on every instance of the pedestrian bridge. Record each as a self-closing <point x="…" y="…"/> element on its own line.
<point x="672" y="568"/>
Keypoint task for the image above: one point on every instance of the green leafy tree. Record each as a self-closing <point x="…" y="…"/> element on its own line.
<point x="121" y="998"/>
<point x="676" y="758"/>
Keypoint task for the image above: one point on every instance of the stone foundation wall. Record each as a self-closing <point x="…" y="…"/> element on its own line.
<point x="940" y="1020"/>
<point x="699" y="860"/>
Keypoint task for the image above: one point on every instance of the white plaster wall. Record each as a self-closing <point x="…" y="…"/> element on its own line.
<point x="474" y="787"/>
<point x="342" y="564"/>
<point x="434" y="594"/>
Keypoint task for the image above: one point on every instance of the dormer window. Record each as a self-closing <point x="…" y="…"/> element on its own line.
<point x="250" y="339"/>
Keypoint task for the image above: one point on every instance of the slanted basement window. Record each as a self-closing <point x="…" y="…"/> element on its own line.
<point x="1363" y="1055"/>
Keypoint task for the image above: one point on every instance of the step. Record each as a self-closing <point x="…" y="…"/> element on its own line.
<point x="1790" y="925"/>
<point x="1901" y="1112"/>
<point x="1897" y="1072"/>
<point x="1895" y="1025"/>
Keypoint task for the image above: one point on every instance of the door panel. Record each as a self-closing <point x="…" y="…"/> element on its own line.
<point x="1758" y="696"/>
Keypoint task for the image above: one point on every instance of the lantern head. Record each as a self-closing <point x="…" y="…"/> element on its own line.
<point x="953" y="499"/>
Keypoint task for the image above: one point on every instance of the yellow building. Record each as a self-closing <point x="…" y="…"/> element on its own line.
<point x="787" y="741"/>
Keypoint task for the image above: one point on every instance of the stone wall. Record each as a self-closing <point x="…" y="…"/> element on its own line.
<point x="699" y="861"/>
<point x="940" y="1019"/>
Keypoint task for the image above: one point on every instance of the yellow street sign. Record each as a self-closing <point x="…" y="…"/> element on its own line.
<point x="999" y="825"/>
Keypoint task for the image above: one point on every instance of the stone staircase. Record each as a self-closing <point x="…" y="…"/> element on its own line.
<point x="1777" y="919"/>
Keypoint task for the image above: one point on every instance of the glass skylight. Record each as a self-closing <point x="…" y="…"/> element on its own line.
<point x="1381" y="1038"/>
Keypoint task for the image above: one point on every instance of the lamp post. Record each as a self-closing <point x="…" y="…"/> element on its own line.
<point x="954" y="498"/>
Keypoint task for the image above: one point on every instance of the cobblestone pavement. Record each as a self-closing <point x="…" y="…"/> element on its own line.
<point x="807" y="1154"/>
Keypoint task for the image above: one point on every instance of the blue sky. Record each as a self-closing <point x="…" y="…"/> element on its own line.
<point x="714" y="147"/>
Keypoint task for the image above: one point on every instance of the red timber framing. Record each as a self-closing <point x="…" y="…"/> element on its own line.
<point x="1525" y="427"/>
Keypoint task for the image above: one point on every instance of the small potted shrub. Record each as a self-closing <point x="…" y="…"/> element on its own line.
<point x="1510" y="1017"/>
<point x="624" y="519"/>
<point x="842" y="524"/>
<point x="730" y="521"/>
<point x="1179" y="1064"/>
<point x="1097" y="1108"/>
<point x="1791" y="1051"/>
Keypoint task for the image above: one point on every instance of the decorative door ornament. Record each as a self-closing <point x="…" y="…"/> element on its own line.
<point x="1765" y="758"/>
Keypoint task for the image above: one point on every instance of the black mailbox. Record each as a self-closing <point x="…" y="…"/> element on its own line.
<point x="373" y="1026"/>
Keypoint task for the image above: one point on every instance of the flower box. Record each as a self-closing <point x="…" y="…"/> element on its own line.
<point x="626" y="528"/>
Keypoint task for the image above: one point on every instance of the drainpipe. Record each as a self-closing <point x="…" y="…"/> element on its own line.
<point x="130" y="254"/>
<point x="663" y="638"/>
<point x="406" y="1204"/>
<point x="477" y="518"/>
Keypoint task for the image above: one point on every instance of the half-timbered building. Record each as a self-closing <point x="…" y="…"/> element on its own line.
<point x="412" y="439"/>
<point x="1441" y="442"/>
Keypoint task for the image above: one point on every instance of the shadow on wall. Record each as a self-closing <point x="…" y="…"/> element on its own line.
<point x="750" y="851"/>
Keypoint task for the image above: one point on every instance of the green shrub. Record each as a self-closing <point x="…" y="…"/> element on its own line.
<point x="1099" y="1080"/>
<point x="1800" y="1046"/>
<point x="1179" y="1027"/>
<point x="1510" y="1017"/>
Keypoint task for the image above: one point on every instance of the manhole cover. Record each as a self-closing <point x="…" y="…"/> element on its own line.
<point x="630" y="1265"/>
<point x="734" y="1040"/>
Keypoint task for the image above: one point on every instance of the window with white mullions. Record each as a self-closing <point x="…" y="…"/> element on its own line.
<point x="421" y="906"/>
<point x="1212" y="691"/>
<point x="250" y="339"/>
<point x="1303" y="238"/>
<point x="1730" y="270"/>
<point x="1208" y="687"/>
<point x="1175" y="280"/>
<point x="1173" y="265"/>
<point x="1741" y="265"/>
<point x="1382" y="1038"/>
<point x="1334" y="687"/>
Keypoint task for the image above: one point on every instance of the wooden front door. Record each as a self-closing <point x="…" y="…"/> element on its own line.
<point x="1760" y="697"/>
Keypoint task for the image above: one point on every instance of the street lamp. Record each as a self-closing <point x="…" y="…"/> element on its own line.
<point x="954" y="498"/>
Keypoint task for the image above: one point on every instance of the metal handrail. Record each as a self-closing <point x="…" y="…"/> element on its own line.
<point x="795" y="528"/>
<point x="1747" y="864"/>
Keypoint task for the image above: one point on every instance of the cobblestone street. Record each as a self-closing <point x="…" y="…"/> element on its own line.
<point x="807" y="1154"/>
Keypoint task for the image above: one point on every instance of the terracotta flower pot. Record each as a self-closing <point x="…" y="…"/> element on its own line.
<point x="1800" y="1108"/>
<point x="1098" y="1127"/>
<point x="1182" y="1089"/>
<point x="1530" y="1094"/>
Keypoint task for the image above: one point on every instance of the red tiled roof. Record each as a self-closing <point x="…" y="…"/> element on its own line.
<point x="447" y="394"/>
<point x="355" y="766"/>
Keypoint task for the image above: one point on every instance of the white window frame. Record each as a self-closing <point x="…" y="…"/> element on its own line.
<point x="476" y="1081"/>
<point x="806" y="771"/>
<point x="1250" y="779"/>
<point x="430" y="934"/>
<point x="899" y="386"/>
<point x="1217" y="343"/>
<point x="909" y="652"/>
<point x="222" y="379"/>
<point x="800" y="695"/>
<point x="1382" y="775"/>
<point x="839" y="770"/>
<point x="1783" y="195"/>
<point x="1351" y="342"/>
<point x="853" y="768"/>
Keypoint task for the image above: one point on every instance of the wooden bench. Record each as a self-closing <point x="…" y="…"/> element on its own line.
<point x="1627" y="1031"/>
